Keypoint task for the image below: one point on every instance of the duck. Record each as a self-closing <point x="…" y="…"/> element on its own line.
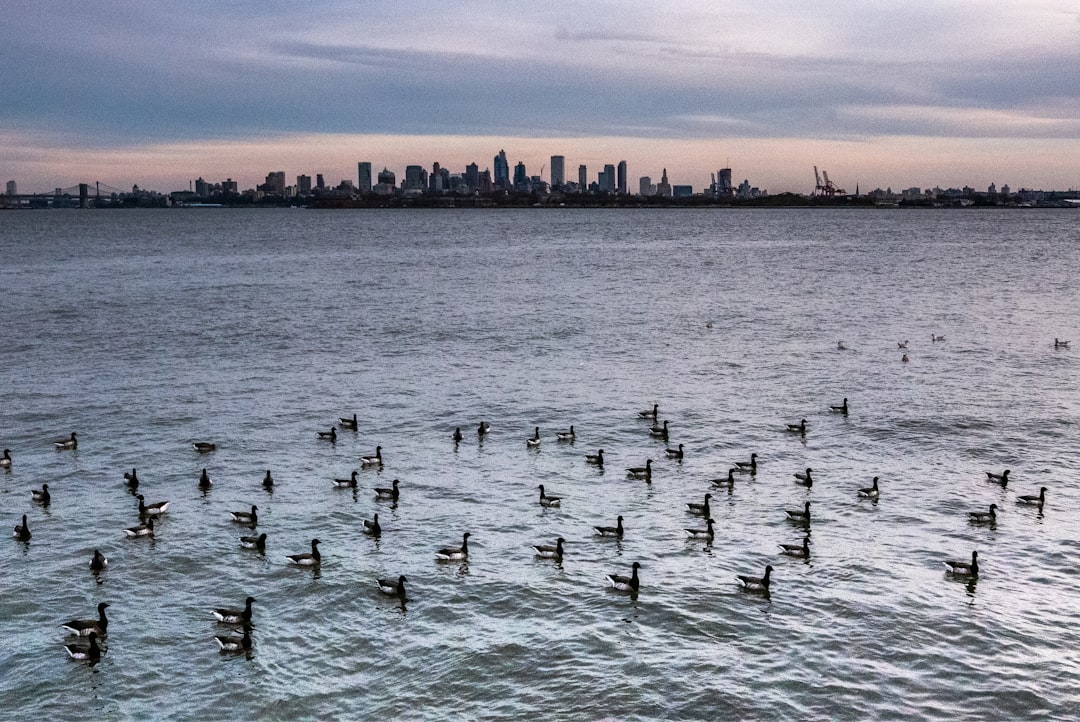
<point x="870" y="492"/>
<point x="901" y="344"/>
<point x="251" y="518"/>
<point x="799" y="428"/>
<point x="747" y="467"/>
<point x="701" y="509"/>
<point x="728" y="480"/>
<point x="146" y="529"/>
<point x="156" y="509"/>
<point x="235" y="616"/>
<point x="457" y="435"/>
<point x="799" y="516"/>
<point x="91" y="653"/>
<point x="596" y="459"/>
<point x="393" y="587"/>
<point x="382" y="492"/>
<point x="675" y="453"/>
<point x="67" y="444"/>
<point x="660" y="432"/>
<point x="641" y="472"/>
<point x="99" y="562"/>
<point x="204" y="447"/>
<point x="268" y="481"/>
<point x="1002" y="478"/>
<point x="983" y="517"/>
<point x="254" y="542"/>
<point x="5" y="460"/>
<point x="756" y="584"/>
<point x="535" y="440"/>
<point x="22" y="531"/>
<point x="566" y="435"/>
<point x="706" y="533"/>
<point x="615" y="531"/>
<point x="840" y="346"/>
<point x="548" y="501"/>
<point x="351" y="481"/>
<point x="483" y="429"/>
<point x="1061" y="344"/>
<point x="797" y="550"/>
<point x="935" y="339"/>
<point x="803" y="478"/>
<point x="372" y="528"/>
<point x="654" y="414"/>
<point x="964" y="569"/>
<point x="41" y="495"/>
<point x="625" y="583"/>
<point x="452" y="553"/>
<point x="308" y="559"/>
<point x="231" y="643"/>
<point x="375" y="460"/>
<point x="1031" y="499"/>
<point x="841" y="409"/>
<point x="85" y="627"/>
<point x="204" y="480"/>
<point x="330" y="435"/>
<point x="904" y="358"/>
<point x="131" y="479"/>
<point x="347" y="423"/>
<point x="548" y="551"/>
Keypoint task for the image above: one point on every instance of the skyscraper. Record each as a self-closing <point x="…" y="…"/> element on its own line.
<point x="472" y="176"/>
<point x="363" y="177"/>
<point x="558" y="171"/>
<point x="608" y="184"/>
<point x="723" y="183"/>
<point x="582" y="178"/>
<point x="645" y="186"/>
<point x="621" y="184"/>
<point x="415" y="177"/>
<point x="502" y="172"/>
<point x="303" y="185"/>
<point x="663" y="188"/>
<point x="521" y="179"/>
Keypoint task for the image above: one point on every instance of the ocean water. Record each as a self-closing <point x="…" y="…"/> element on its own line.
<point x="147" y="331"/>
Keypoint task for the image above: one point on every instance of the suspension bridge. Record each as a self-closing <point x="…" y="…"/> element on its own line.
<point x="80" y="195"/>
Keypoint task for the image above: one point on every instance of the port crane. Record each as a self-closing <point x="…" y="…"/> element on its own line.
<point x="825" y="187"/>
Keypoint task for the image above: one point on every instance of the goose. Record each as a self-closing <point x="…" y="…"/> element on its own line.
<point x="803" y="478"/>
<point x="204" y="480"/>
<point x="204" y="447"/>
<point x="372" y="528"/>
<point x="231" y="643"/>
<point x="548" y="551"/>
<point x="254" y="542"/>
<point x="901" y="344"/>
<point x="382" y="492"/>
<point x="706" y="533"/>
<point x="351" y="481"/>
<point x="309" y="559"/>
<point x="797" y="550"/>
<point x="22" y="531"/>
<point x="841" y="409"/>
<point x="91" y="653"/>
<point x="347" y="423"/>
<point x="235" y="616"/>
<point x="840" y="346"/>
<point x="701" y="509"/>
<point x="268" y="481"/>
<point x="65" y="444"/>
<point x="747" y="467"/>
<point x="935" y="339"/>
<point x="964" y="569"/>
<point x="799" y="428"/>
<point x="85" y="627"/>
<point x="146" y="529"/>
<point x="41" y="495"/>
<point x="1002" y="478"/>
<point x="904" y="358"/>
<point x="482" y="429"/>
<point x="1061" y="344"/>
<point x="799" y="516"/>
<point x="451" y="553"/>
<point x="548" y="501"/>
<point x="457" y="435"/>
<point x="870" y="492"/>
<point x="1033" y="499"/>
<point x="157" y="508"/>
<point x="5" y="460"/>
<point x="660" y="432"/>
<point x="641" y="472"/>
<point x="394" y="587"/>
<point x="675" y="453"/>
<point x="983" y="517"/>
<point x="330" y="435"/>
<point x="251" y="518"/>
<point x="756" y="584"/>
<point x="99" y="562"/>
<point x="375" y="460"/>
<point x="615" y="531"/>
<point x="596" y="459"/>
<point x="566" y="435"/>
<point x="535" y="440"/>
<point x="650" y="414"/>
<point x="626" y="583"/>
<point x="131" y="479"/>
<point x="729" y="480"/>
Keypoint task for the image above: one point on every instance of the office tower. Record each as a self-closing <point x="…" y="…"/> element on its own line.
<point x="558" y="171"/>
<point x="319" y="182"/>
<point x="645" y="186"/>
<point x="621" y="182"/>
<point x="415" y="177"/>
<point x="723" y="183"/>
<point x="602" y="181"/>
<point x="387" y="183"/>
<point x="472" y="176"/>
<point x="582" y="178"/>
<point x="484" y="183"/>
<point x="521" y="180"/>
<point x="663" y="188"/>
<point x="275" y="183"/>
<point x="608" y="184"/>
<point x="502" y="172"/>
<point x="202" y="189"/>
<point x="229" y="186"/>
<point x="363" y="177"/>
<point x="303" y="185"/>
<point x="12" y="190"/>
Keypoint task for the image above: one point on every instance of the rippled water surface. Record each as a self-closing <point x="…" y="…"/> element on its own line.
<point x="146" y="331"/>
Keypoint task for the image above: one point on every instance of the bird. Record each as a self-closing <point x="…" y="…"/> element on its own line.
<point x="841" y="409"/>
<point x="146" y="529"/>
<point x="797" y="550"/>
<point x="650" y="414"/>
<point x="372" y="527"/>
<point x="728" y="480"/>
<point x="548" y="551"/>
<point x="706" y="533"/>
<point x="904" y="358"/>
<point x="901" y="344"/>
<point x="935" y="339"/>
<point x="330" y="435"/>
<point x="91" y="653"/>
<point x="235" y="616"/>
<point x="747" y="467"/>
<point x="251" y="518"/>
<point x="5" y="460"/>
<point x="964" y="569"/>
<point x="375" y="460"/>
<point x="457" y="435"/>
<point x="799" y="428"/>
<point x="204" y="480"/>
<point x="615" y="531"/>
<point x="232" y="643"/>
<point x="566" y="435"/>
<point x="393" y="587"/>
<point x="799" y="516"/>
<point x="535" y="440"/>
<point x="131" y="479"/>
<point x="347" y="423"/>
<point x="308" y="559"/>
<point x="1031" y="499"/>
<point x="1002" y="478"/>
<point x="351" y="481"/>
<point x="204" y="447"/>
<point x="382" y="492"/>
<point x="85" y="627"/>
<point x="453" y="553"/>
<point x="625" y="583"/>
<point x="660" y="432"/>
<point x="156" y="509"/>
<point x="596" y="459"/>
<point x="254" y="542"/>
<point x="22" y="531"/>
<point x="983" y="517"/>
<point x="641" y="472"/>
<point x="840" y="346"/>
<point x="701" y="509"/>
<point x="41" y="495"/>
<point x="803" y="478"/>
<point x="99" y="562"/>
<point x="756" y="584"/>
<point x="482" y="429"/>
<point x="1061" y="344"/>
<point x="548" y="501"/>
<point x="675" y="453"/>
<point x="870" y="492"/>
<point x="66" y="444"/>
<point x="268" y="481"/>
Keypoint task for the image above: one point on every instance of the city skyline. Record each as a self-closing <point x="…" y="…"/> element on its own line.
<point x="881" y="96"/>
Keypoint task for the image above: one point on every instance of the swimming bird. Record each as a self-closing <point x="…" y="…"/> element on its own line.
<point x="372" y="528"/>
<point x="901" y="344"/>
<point x="483" y="429"/>
<point x="803" y="478"/>
<point x="204" y="480"/>
<point x="641" y="472"/>
<point x="548" y="551"/>
<point x="1002" y="478"/>
<point x="870" y="492"/>
<point x="625" y="583"/>
<point x="650" y="414"/>
<point x="99" y="562"/>
<point x="91" y="653"/>
<point x="457" y="435"/>
<point x="235" y="616"/>
<point x="566" y="435"/>
<point x="1061" y="344"/>
<point x="347" y="423"/>
<point x="351" y="481"/>
<point x="964" y="569"/>
<point x="535" y="440"/>
<point x="382" y="492"/>
<point x="548" y="501"/>
<point x="251" y="518"/>
<point x="747" y="467"/>
<point x="904" y="358"/>
<point x="701" y="509"/>
<point x="935" y="339"/>
<point x="5" y="460"/>
<point x="254" y="542"/>
<point x="41" y="495"/>
<point x="330" y="435"/>
<point x="615" y="531"/>
<point x="840" y="346"/>
<point x="268" y="481"/>
<point x="451" y="553"/>
<point x="983" y="517"/>
<point x="66" y="444"/>
<point x="799" y="428"/>
<point x="375" y="460"/>
<point x="232" y="643"/>
<point x="204" y="447"/>
<point x="309" y="559"/>
<point x="596" y="459"/>
<point x="841" y="409"/>
<point x="146" y="529"/>
<point x="729" y="480"/>
<point x="799" y="516"/>
<point x="675" y="453"/>
<point x="1032" y="499"/>
<point x="797" y="550"/>
<point x="22" y="531"/>
<point x="756" y="584"/>
<point x="706" y="533"/>
<point x="394" y="587"/>
<point x="131" y="479"/>
<point x="660" y="432"/>
<point x="157" y="508"/>
<point x="85" y="627"/>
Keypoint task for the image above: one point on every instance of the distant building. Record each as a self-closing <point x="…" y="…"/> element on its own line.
<point x="682" y="191"/>
<point x="303" y="185"/>
<point x="202" y="188"/>
<point x="275" y="183"/>
<point x="521" y="179"/>
<point x="387" y="183"/>
<point x="621" y="182"/>
<point x="363" y="177"/>
<point x="663" y="188"/>
<point x="12" y="189"/>
<point x="724" y="188"/>
<point x="502" y="172"/>
<point x="229" y="186"/>
<point x="484" y="183"/>
<point x="472" y="176"/>
<point x="558" y="171"/>
<point x="645" y="186"/>
<point x="608" y="184"/>
<point x="319" y="182"/>
<point x="415" y="178"/>
<point x="582" y="177"/>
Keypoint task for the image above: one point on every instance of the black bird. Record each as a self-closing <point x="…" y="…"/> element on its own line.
<point x="803" y="477"/>
<point x="251" y="518"/>
<point x="204" y="480"/>
<point x="842" y="408"/>
<point x="330" y="435"/>
<point x="797" y="550"/>
<point x="254" y="542"/>
<point x="799" y="428"/>
<point x="802" y="517"/>
<point x="566" y="435"/>
<point x="268" y="481"/>
<point x="626" y="583"/>
<point x="22" y="531"/>
<point x="372" y="527"/>
<point x="84" y="627"/>
<point x="382" y="492"/>
<point x="615" y="531"/>
<point x="393" y="587"/>
<point x="131" y="479"/>
<point x="747" y="467"/>
<point x="701" y="509"/>
<point x="548" y="501"/>
<point x="654" y="414"/>
<point x="548" y="551"/>
<point x="870" y="492"/>
<point x="482" y="429"/>
<point x="675" y="453"/>
<point x="307" y="559"/>
<point x="375" y="460"/>
<point x="91" y="653"/>
<point x="231" y="643"/>
<point x="661" y="432"/>
<point x="964" y="569"/>
<point x="99" y="562"/>
<point x="156" y="508"/>
<point x="204" y="447"/>
<point x="457" y="435"/>
<point x="235" y="616"/>
<point x="1002" y="478"/>
<point x="455" y="553"/>
<point x="641" y="472"/>
<point x="596" y="459"/>
<point x="350" y="424"/>
<point x="351" y="481"/>
<point x="41" y="495"/>
<point x="67" y="444"/>
<point x="756" y="584"/>
<point x="983" y="517"/>
<point x="1032" y="499"/>
<point x="729" y="480"/>
<point x="535" y="440"/>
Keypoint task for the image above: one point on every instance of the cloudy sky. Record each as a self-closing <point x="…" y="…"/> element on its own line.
<point x="878" y="93"/>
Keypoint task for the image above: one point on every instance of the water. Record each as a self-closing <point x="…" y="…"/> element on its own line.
<point x="146" y="331"/>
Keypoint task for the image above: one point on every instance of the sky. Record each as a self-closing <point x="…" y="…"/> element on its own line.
<point x="898" y="94"/>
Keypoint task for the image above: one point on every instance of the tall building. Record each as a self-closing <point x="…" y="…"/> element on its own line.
<point x="12" y="189"/>
<point x="663" y="188"/>
<point x="502" y="172"/>
<point x="521" y="179"/>
<point x="387" y="183"/>
<point x="230" y="186"/>
<point x="645" y="186"/>
<point x="558" y="171"/>
<point x="723" y="183"/>
<point x="415" y="177"/>
<point x="484" y="183"/>
<point x="602" y="181"/>
<point x="303" y="185"/>
<point x="608" y="184"/>
<point x="582" y="178"/>
<point x="363" y="177"/>
<point x="275" y="183"/>
<point x="202" y="188"/>
<point x="472" y="176"/>
<point x="319" y="182"/>
<point x="621" y="182"/>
